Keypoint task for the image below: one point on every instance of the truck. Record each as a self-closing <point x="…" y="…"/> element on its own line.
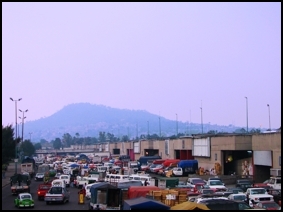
<point x="28" y="165"/>
<point x="188" y="166"/>
<point x="105" y="196"/>
<point x="20" y="183"/>
<point x="256" y="195"/>
<point x="274" y="182"/>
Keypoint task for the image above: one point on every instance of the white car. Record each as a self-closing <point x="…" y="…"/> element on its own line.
<point x="39" y="176"/>
<point x="237" y="197"/>
<point x="215" y="184"/>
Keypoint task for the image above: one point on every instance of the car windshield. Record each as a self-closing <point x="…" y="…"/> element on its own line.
<point x="26" y="196"/>
<point x="239" y="197"/>
<point x="215" y="182"/>
<point x="55" y="190"/>
<point x="197" y="181"/>
<point x="258" y="191"/>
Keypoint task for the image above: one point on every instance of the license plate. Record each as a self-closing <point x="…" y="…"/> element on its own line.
<point x="53" y="199"/>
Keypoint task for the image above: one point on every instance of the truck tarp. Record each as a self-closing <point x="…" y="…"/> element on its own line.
<point x="140" y="191"/>
<point x="142" y="203"/>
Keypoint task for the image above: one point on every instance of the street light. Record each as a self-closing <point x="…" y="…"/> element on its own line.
<point x="201" y="120"/>
<point x="23" y="118"/>
<point x="247" y="114"/>
<point x="177" y="125"/>
<point x="269" y="116"/>
<point x="16" y="124"/>
<point x="148" y="129"/>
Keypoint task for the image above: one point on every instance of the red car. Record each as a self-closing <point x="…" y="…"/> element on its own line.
<point x="42" y="190"/>
<point x="267" y="205"/>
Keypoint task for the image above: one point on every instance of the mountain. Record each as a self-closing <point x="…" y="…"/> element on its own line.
<point x="88" y="120"/>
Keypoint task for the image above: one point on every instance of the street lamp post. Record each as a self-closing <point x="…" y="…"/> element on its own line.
<point x="148" y="129"/>
<point x="201" y="120"/>
<point x="16" y="132"/>
<point x="23" y="118"/>
<point x="269" y="116"/>
<point x="177" y="125"/>
<point x="247" y="114"/>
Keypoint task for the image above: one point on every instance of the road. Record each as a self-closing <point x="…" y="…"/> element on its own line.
<point x="8" y="200"/>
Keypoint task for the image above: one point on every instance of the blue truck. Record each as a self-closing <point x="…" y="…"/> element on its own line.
<point x="188" y="166"/>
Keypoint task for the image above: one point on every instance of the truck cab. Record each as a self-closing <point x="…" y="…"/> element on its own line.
<point x="274" y="182"/>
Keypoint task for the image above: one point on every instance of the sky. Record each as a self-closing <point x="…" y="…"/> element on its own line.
<point x="217" y="63"/>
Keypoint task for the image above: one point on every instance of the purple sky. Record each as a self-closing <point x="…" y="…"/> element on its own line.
<point x="165" y="58"/>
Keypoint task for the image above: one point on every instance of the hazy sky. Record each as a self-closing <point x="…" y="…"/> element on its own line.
<point x="170" y="59"/>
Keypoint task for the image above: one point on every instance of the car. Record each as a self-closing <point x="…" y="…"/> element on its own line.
<point x="267" y="205"/>
<point x="224" y="204"/>
<point x="216" y="178"/>
<point x="57" y="193"/>
<point x="154" y="168"/>
<point x="216" y="184"/>
<point x="194" y="180"/>
<point x="235" y="190"/>
<point x="244" y="184"/>
<point x="276" y="193"/>
<point x="39" y="176"/>
<point x="237" y="197"/>
<point x="24" y="200"/>
<point x="206" y="191"/>
<point x="42" y="190"/>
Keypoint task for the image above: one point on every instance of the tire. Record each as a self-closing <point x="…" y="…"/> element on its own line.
<point x="47" y="202"/>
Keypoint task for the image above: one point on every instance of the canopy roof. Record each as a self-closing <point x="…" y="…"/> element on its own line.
<point x="190" y="206"/>
<point x="143" y="203"/>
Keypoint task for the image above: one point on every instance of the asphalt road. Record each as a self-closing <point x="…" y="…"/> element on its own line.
<point x="8" y="200"/>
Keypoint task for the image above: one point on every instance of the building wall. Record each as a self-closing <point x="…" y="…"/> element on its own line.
<point x="263" y="141"/>
<point x="268" y="141"/>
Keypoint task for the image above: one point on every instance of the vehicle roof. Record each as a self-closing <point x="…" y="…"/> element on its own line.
<point x="241" y="194"/>
<point x="24" y="194"/>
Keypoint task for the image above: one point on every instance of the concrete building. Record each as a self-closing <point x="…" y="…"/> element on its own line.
<point x="248" y="155"/>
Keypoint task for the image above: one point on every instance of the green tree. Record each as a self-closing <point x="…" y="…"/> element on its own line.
<point x="8" y="144"/>
<point x="68" y="140"/>
<point x="102" y="137"/>
<point x="27" y="148"/>
<point x="57" y="143"/>
<point x="37" y="146"/>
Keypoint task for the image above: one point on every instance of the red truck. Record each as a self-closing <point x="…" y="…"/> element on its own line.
<point x="42" y="190"/>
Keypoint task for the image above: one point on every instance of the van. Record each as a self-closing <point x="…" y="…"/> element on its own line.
<point x="142" y="178"/>
<point x="145" y="160"/>
<point x="116" y="178"/>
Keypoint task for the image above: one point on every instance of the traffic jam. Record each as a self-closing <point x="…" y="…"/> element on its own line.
<point x="116" y="183"/>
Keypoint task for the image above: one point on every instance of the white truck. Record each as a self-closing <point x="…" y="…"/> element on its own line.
<point x="28" y="168"/>
<point x="256" y="195"/>
<point x="275" y="182"/>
